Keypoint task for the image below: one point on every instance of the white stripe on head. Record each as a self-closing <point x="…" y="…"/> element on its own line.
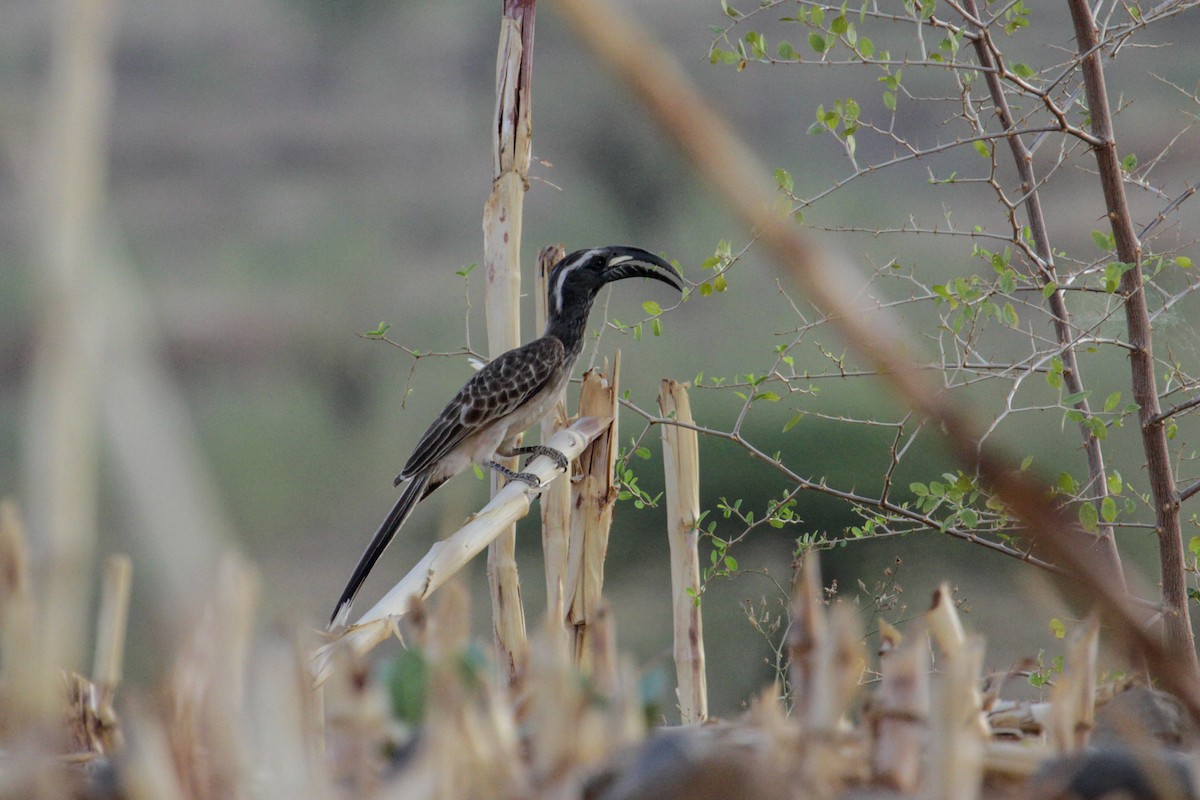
<point x="562" y="278"/>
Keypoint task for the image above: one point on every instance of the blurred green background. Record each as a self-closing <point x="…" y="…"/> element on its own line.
<point x="285" y="174"/>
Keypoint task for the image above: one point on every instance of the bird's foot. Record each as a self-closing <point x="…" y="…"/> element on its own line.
<point x="528" y="478"/>
<point x="524" y="477"/>
<point x="541" y="450"/>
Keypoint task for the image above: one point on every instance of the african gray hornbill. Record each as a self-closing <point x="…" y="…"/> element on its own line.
<point x="510" y="394"/>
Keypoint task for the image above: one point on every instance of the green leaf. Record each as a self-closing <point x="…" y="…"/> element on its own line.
<point x="1115" y="483"/>
<point x="1023" y="70"/>
<point x="1112" y="401"/>
<point x="1108" y="509"/>
<point x="1049" y="289"/>
<point x="407" y="679"/>
<point x="1010" y="316"/>
<point x="840" y="24"/>
<point x="1026" y="462"/>
<point x="651" y="308"/>
<point x="1129" y="162"/>
<point x="1194" y="546"/>
<point x="944" y="294"/>
<point x="866" y="47"/>
<point x="1066" y="482"/>
<point x="919" y="489"/>
<point x="719" y="283"/>
<point x="1088" y="517"/>
<point x="791" y="423"/>
<point x="1074" y="398"/>
<point x="758" y="44"/>
<point x="770" y="397"/>
<point x="1008" y="281"/>
<point x="817" y="42"/>
<point x="1055" y="376"/>
<point x="656" y="326"/>
<point x="1103" y="241"/>
<point x="1071" y="400"/>
<point x="1183" y="261"/>
<point x="1058" y="628"/>
<point x="784" y="179"/>
<point x="379" y="331"/>
<point x="731" y="563"/>
<point x="465" y="271"/>
<point x="889" y="101"/>
<point x="1113" y="273"/>
<point x="982" y="148"/>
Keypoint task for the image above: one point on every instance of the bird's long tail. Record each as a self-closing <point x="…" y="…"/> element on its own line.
<point x="417" y="488"/>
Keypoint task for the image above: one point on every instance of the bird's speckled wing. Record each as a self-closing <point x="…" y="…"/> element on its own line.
<point x="492" y="393"/>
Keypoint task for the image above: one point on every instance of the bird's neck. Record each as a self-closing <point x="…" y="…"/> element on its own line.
<point x="569" y="329"/>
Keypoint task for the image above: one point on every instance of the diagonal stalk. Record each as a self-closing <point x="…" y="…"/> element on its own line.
<point x="1180" y="641"/>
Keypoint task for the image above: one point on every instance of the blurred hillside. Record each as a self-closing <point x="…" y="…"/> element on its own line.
<point x="285" y="174"/>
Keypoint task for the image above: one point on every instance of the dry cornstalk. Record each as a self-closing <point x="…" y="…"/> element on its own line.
<point x="1073" y="703"/>
<point x="111" y="624"/>
<point x="1013" y="760"/>
<point x="681" y="466"/>
<point x="357" y="723"/>
<point x="825" y="663"/>
<point x="30" y="687"/>
<point x="502" y="217"/>
<point x="61" y="447"/>
<point x="807" y="638"/>
<point x="93" y="722"/>
<point x="147" y="767"/>
<point x="469" y="747"/>
<point x="18" y="660"/>
<point x="899" y="715"/>
<point x="592" y="498"/>
<point x="555" y="502"/>
<point x="207" y="688"/>
<point x="568" y="731"/>
<point x="287" y="740"/>
<point x="946" y="628"/>
<point x="445" y="558"/>
<point x="956" y="742"/>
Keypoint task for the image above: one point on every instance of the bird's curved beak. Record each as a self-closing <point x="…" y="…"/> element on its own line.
<point x="633" y="262"/>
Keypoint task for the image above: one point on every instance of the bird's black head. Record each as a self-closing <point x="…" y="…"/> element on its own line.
<point x="577" y="278"/>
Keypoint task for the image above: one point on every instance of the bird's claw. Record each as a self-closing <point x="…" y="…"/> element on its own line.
<point x="533" y="481"/>
<point x="536" y="450"/>
<point x="560" y="460"/>
<point x="528" y="478"/>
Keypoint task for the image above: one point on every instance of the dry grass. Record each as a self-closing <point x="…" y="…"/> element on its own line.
<point x="238" y="716"/>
